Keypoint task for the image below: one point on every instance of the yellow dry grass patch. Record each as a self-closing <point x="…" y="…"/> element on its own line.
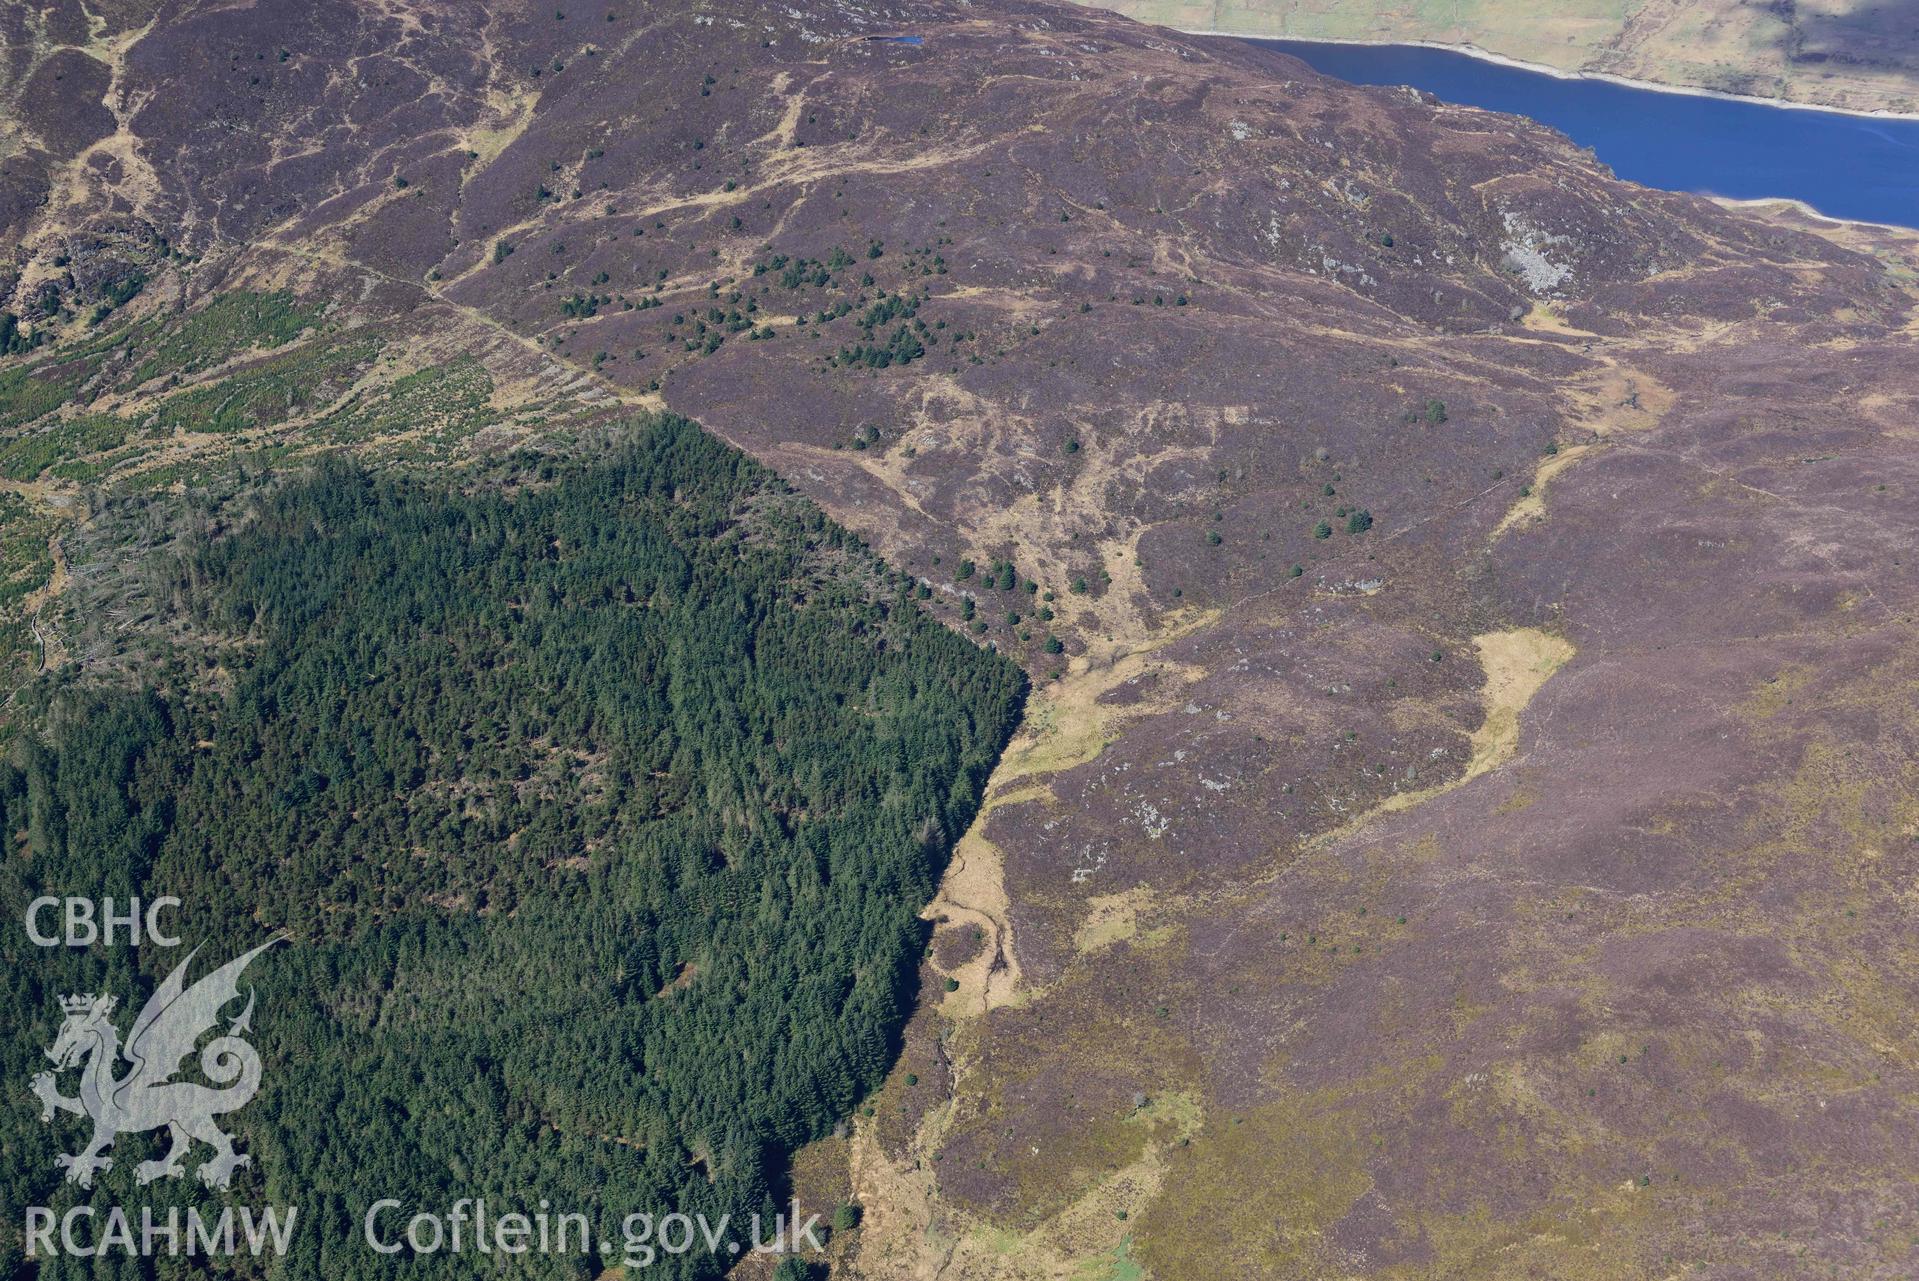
<point x="52" y="652"/>
<point x="908" y="1233"/>
<point x="1547" y="318"/>
<point x="1114" y="918"/>
<point x="1532" y="506"/>
<point x="510" y="113"/>
<point x="1265" y="1185"/>
<point x="1591" y="1234"/>
<point x="1066" y="725"/>
<point x="1774" y="694"/>
<point x="1614" y="400"/>
<point x="974" y="889"/>
<point x="1517" y="663"/>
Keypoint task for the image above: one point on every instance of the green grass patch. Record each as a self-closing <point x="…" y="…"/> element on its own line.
<point x="25" y="457"/>
<point x="26" y="563"/>
<point x="447" y="402"/>
<point x="33" y="392"/>
<point x="227" y="326"/>
<point x="284" y="387"/>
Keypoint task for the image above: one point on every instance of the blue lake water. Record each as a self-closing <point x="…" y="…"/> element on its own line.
<point x="1845" y="166"/>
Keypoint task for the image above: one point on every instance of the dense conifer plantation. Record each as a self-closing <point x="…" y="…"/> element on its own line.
<point x="598" y="801"/>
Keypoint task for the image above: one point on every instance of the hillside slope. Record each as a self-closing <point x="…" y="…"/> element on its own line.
<point x="1465" y="824"/>
<point x="1853" y="54"/>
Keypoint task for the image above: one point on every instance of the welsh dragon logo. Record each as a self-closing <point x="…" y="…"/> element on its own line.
<point x="166" y="1032"/>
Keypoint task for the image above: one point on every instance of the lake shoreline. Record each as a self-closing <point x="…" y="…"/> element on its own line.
<point x="1759" y="204"/>
<point x="1560" y="73"/>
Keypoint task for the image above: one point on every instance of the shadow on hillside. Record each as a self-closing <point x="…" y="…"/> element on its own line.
<point x="1868" y="33"/>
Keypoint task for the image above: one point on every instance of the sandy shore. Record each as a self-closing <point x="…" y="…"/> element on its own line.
<point x="1804" y="210"/>
<point x="1560" y="73"/>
